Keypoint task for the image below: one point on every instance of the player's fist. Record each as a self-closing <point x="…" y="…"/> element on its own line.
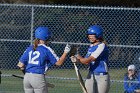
<point x="73" y="59"/>
<point x="67" y="48"/>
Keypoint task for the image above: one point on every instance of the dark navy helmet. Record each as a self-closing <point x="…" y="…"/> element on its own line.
<point x="95" y="30"/>
<point x="42" y="33"/>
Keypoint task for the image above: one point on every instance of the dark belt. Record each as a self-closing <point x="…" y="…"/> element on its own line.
<point x="104" y="73"/>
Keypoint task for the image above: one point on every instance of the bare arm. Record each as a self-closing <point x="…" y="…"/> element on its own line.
<point x="85" y="60"/>
<point x="61" y="59"/>
<point x="94" y="55"/>
<point x="64" y="55"/>
<point x="20" y="65"/>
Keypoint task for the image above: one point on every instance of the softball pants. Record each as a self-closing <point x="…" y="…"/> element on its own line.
<point x="98" y="83"/>
<point x="35" y="83"/>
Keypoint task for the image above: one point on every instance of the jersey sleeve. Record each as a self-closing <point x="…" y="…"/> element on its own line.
<point x="98" y="51"/>
<point x="53" y="58"/>
<point x="24" y="58"/>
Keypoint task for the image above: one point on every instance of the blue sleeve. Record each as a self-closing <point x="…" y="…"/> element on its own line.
<point x="53" y="58"/>
<point x="24" y="58"/>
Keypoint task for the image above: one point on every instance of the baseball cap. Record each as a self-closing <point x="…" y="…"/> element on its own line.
<point x="131" y="67"/>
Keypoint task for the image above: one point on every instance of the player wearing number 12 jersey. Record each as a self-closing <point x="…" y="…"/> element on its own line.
<point x="35" y="60"/>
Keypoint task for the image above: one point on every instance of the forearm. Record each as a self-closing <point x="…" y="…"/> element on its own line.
<point x="83" y="60"/>
<point x="61" y="59"/>
<point x="64" y="55"/>
<point x="21" y="66"/>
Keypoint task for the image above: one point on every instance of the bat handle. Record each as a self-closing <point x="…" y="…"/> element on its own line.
<point x="75" y="66"/>
<point x="50" y="85"/>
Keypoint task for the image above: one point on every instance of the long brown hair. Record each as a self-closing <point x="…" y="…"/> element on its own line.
<point x="36" y="42"/>
<point x="102" y="40"/>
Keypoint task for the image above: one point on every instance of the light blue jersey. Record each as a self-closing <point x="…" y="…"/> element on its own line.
<point x="37" y="61"/>
<point x="100" y="52"/>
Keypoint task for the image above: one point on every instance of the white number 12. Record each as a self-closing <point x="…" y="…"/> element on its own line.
<point x="32" y="60"/>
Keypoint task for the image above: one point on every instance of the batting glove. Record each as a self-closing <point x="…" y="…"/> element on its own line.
<point x="67" y="48"/>
<point x="73" y="59"/>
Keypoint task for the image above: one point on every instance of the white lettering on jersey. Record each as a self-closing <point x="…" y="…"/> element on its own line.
<point x="33" y="60"/>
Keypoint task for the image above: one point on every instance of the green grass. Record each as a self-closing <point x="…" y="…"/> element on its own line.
<point x="15" y="85"/>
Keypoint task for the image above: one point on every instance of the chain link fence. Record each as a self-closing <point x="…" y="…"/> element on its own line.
<point x="68" y="24"/>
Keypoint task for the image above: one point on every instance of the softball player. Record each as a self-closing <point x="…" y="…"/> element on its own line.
<point x="36" y="59"/>
<point x="98" y="80"/>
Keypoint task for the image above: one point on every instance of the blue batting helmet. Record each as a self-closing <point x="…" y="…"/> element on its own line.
<point x="95" y="30"/>
<point x="42" y="33"/>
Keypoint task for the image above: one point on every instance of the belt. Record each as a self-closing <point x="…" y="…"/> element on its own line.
<point x="34" y="73"/>
<point x="104" y="73"/>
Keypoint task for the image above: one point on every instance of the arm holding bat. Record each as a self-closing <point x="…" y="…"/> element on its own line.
<point x="76" y="57"/>
<point x="73" y="54"/>
<point x="21" y="66"/>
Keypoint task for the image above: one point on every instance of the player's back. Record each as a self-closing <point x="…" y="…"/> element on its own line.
<point x="39" y="58"/>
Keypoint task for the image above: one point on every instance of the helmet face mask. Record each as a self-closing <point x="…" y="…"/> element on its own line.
<point x="42" y="33"/>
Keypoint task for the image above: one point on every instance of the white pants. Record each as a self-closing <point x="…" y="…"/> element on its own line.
<point x="35" y="83"/>
<point x="98" y="83"/>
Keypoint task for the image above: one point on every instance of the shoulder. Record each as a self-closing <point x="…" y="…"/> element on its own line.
<point x="138" y="73"/>
<point x="50" y="52"/>
<point x="101" y="46"/>
<point x="47" y="48"/>
<point x="29" y="48"/>
<point x="126" y="75"/>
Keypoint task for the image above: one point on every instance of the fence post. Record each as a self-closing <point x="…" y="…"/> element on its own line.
<point x="0" y="77"/>
<point x="32" y="24"/>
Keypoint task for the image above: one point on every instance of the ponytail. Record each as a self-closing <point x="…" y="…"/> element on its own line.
<point x="36" y="42"/>
<point x="103" y="41"/>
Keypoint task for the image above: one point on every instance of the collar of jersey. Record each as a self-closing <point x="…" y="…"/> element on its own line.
<point x="96" y="44"/>
<point x="41" y="45"/>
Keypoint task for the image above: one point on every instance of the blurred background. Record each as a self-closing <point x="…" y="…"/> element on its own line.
<point x="126" y="3"/>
